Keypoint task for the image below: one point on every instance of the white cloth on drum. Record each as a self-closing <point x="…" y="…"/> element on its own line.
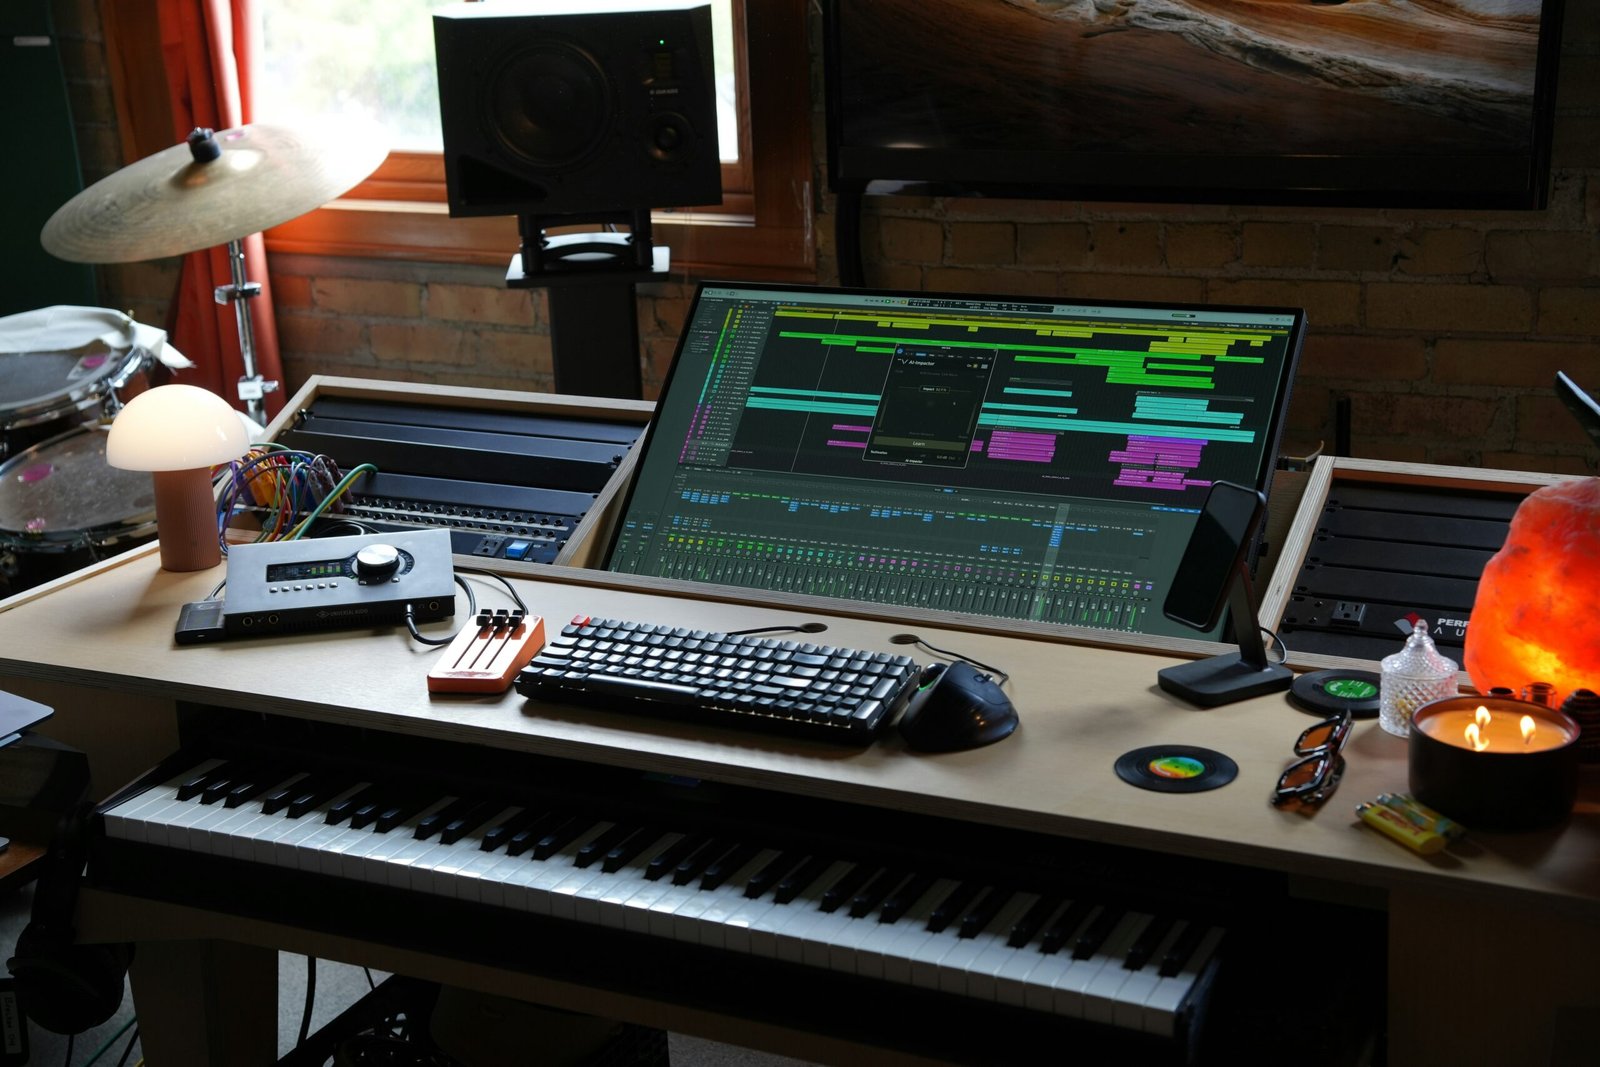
<point x="64" y="327"/>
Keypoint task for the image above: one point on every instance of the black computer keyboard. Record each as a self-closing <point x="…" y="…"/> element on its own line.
<point x="791" y="687"/>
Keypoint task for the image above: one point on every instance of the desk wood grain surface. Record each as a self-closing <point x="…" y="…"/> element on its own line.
<point x="110" y="629"/>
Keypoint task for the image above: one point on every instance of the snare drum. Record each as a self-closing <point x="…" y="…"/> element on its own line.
<point x="62" y="506"/>
<point x="82" y="365"/>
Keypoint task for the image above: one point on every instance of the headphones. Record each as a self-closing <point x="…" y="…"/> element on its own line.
<point x="65" y="987"/>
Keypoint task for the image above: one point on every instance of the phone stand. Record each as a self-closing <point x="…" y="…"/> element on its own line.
<point x="1231" y="676"/>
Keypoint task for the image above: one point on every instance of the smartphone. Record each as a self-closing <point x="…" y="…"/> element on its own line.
<point x="1216" y="549"/>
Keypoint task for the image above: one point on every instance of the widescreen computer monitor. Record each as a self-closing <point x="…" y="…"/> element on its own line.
<point x="1015" y="457"/>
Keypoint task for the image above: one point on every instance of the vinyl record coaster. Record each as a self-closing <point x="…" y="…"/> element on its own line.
<point x="1176" y="768"/>
<point x="1336" y="691"/>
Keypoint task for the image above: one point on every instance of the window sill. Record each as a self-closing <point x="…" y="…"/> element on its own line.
<point x="709" y="244"/>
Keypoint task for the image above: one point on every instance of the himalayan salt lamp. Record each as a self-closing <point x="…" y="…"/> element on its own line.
<point x="1535" y="617"/>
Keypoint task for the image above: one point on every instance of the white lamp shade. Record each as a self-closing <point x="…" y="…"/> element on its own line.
<point x="175" y="428"/>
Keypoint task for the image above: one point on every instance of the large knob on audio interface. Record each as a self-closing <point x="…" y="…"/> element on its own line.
<point x="374" y="563"/>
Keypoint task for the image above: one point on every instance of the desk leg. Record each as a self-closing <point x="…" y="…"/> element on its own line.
<point x="206" y="1003"/>
<point x="1474" y="983"/>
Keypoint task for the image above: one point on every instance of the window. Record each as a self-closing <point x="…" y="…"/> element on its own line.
<point x="308" y="53"/>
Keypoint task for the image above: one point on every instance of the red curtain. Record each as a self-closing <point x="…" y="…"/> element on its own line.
<point x="205" y="46"/>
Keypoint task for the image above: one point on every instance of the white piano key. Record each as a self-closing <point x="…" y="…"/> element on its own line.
<point x="1071" y="991"/>
<point x="982" y="975"/>
<point x="1161" y="1007"/>
<point x="1028" y="982"/>
<point x="912" y="932"/>
<point x="562" y="893"/>
<point x="790" y="939"/>
<point x="284" y="849"/>
<point x="726" y="901"/>
<point x="547" y="875"/>
<point x="1127" y="1010"/>
<point x="596" y="902"/>
<point x="956" y="968"/>
<point x="736" y="927"/>
<point x="131" y="819"/>
<point x="469" y="876"/>
<point x="871" y="954"/>
<point x="630" y="909"/>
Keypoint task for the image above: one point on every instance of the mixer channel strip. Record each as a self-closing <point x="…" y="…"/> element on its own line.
<point x="800" y="689"/>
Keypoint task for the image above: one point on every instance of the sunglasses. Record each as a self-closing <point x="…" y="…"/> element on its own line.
<point x="1313" y="778"/>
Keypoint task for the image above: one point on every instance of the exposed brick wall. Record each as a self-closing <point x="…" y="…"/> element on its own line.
<point x="1442" y="328"/>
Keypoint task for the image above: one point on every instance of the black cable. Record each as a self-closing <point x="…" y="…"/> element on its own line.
<point x="417" y="635"/>
<point x="1283" y="649"/>
<point x="134" y="1040"/>
<point x="913" y="639"/>
<point x="502" y="580"/>
<point x="311" y="992"/>
<point x="68" y="1061"/>
<point x="804" y="628"/>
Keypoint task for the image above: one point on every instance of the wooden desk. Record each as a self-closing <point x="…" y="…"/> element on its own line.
<point x="1509" y="914"/>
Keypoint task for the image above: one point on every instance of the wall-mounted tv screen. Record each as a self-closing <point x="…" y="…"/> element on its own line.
<point x="1433" y="103"/>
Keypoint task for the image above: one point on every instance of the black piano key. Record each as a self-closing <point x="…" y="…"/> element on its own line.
<point x="1177" y="957"/>
<point x="876" y="891"/>
<point x="279" y="798"/>
<point x="953" y="906"/>
<point x="1148" y="942"/>
<point x="773" y="873"/>
<point x="727" y="865"/>
<point x="316" y="791"/>
<point x="347" y="807"/>
<point x="398" y="811"/>
<point x="694" y="864"/>
<point x="502" y="833"/>
<point x="608" y="840"/>
<point x="431" y="824"/>
<point x="253" y="786"/>
<point x="846" y="886"/>
<point x="530" y="835"/>
<point x="560" y="837"/>
<point x="1088" y="942"/>
<point x="1065" y="925"/>
<point x="901" y="900"/>
<point x="368" y="813"/>
<point x="673" y="855"/>
<point x="223" y="779"/>
<point x="192" y="787"/>
<point x="468" y="821"/>
<point x="983" y="912"/>
<point x="1026" y="928"/>
<point x="626" y="851"/>
<point x="798" y="880"/>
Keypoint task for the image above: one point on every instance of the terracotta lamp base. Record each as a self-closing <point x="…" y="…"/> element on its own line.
<point x="186" y="520"/>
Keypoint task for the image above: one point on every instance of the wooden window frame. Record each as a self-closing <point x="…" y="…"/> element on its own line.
<point x="763" y="228"/>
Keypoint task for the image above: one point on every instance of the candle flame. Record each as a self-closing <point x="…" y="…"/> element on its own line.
<point x="1483" y="716"/>
<point x="1475" y="738"/>
<point x="1527" y="729"/>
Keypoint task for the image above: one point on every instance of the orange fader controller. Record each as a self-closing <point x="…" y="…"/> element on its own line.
<point x="487" y="654"/>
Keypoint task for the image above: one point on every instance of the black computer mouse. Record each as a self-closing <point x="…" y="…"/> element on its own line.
<point x="957" y="706"/>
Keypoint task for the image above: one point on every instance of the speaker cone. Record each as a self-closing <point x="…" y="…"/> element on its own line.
<point x="551" y="107"/>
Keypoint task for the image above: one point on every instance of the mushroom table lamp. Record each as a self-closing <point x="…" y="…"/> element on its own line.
<point x="1534" y="618"/>
<point x="178" y="433"/>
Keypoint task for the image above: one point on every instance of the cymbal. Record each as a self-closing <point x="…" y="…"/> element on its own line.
<point x="170" y="203"/>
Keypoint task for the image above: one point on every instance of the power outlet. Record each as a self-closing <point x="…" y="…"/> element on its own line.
<point x="1347" y="613"/>
<point x="490" y="546"/>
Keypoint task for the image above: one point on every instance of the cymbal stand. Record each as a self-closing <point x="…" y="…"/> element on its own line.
<point x="252" y="387"/>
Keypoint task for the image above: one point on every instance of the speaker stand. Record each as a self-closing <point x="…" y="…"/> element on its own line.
<point x="1232" y="676"/>
<point x="594" y="314"/>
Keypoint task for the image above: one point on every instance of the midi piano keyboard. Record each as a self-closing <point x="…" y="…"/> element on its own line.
<point x="760" y="894"/>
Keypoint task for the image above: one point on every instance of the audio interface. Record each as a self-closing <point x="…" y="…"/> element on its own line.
<point x="327" y="582"/>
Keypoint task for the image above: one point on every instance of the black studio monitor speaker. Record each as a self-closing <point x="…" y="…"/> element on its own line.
<point x="565" y="107"/>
